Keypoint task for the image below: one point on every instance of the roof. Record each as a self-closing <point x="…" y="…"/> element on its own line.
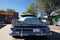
<point x="27" y="14"/>
<point x="11" y="13"/>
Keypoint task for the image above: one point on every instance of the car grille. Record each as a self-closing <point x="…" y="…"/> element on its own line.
<point x="30" y="26"/>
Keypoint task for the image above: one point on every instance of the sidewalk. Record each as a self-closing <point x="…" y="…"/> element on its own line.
<point x="54" y="28"/>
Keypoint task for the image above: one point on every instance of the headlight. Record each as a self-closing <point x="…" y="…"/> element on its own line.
<point x="10" y="31"/>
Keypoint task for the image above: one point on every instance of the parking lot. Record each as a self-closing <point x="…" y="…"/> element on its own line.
<point x="5" y="29"/>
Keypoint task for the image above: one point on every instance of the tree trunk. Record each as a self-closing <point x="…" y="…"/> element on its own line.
<point x="48" y="15"/>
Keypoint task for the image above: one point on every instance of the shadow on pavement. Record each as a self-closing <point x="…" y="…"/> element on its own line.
<point x="36" y="38"/>
<point x="54" y="36"/>
<point x="1" y="26"/>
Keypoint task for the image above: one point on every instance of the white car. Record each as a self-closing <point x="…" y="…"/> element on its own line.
<point x="57" y="23"/>
<point x="46" y="21"/>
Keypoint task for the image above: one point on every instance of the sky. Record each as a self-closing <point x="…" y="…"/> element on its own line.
<point x="18" y="5"/>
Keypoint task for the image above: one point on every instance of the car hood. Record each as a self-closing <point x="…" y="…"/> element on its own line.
<point x="31" y="21"/>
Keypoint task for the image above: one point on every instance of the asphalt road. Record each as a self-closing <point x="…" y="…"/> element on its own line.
<point x="4" y="34"/>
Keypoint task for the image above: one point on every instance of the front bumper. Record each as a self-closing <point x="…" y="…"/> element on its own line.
<point x="14" y="34"/>
<point x="30" y="32"/>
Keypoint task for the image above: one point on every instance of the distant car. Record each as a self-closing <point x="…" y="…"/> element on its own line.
<point x="46" y="21"/>
<point x="57" y="23"/>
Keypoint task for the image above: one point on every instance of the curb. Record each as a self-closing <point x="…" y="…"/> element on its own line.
<point x="55" y="30"/>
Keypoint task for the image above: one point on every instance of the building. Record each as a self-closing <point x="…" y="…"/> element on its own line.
<point x="54" y="19"/>
<point x="7" y="16"/>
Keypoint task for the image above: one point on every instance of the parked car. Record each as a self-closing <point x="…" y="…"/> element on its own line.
<point x="46" y="21"/>
<point x="30" y="26"/>
<point x="57" y="23"/>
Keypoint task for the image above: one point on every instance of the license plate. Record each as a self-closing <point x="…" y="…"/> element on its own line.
<point x="36" y="30"/>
